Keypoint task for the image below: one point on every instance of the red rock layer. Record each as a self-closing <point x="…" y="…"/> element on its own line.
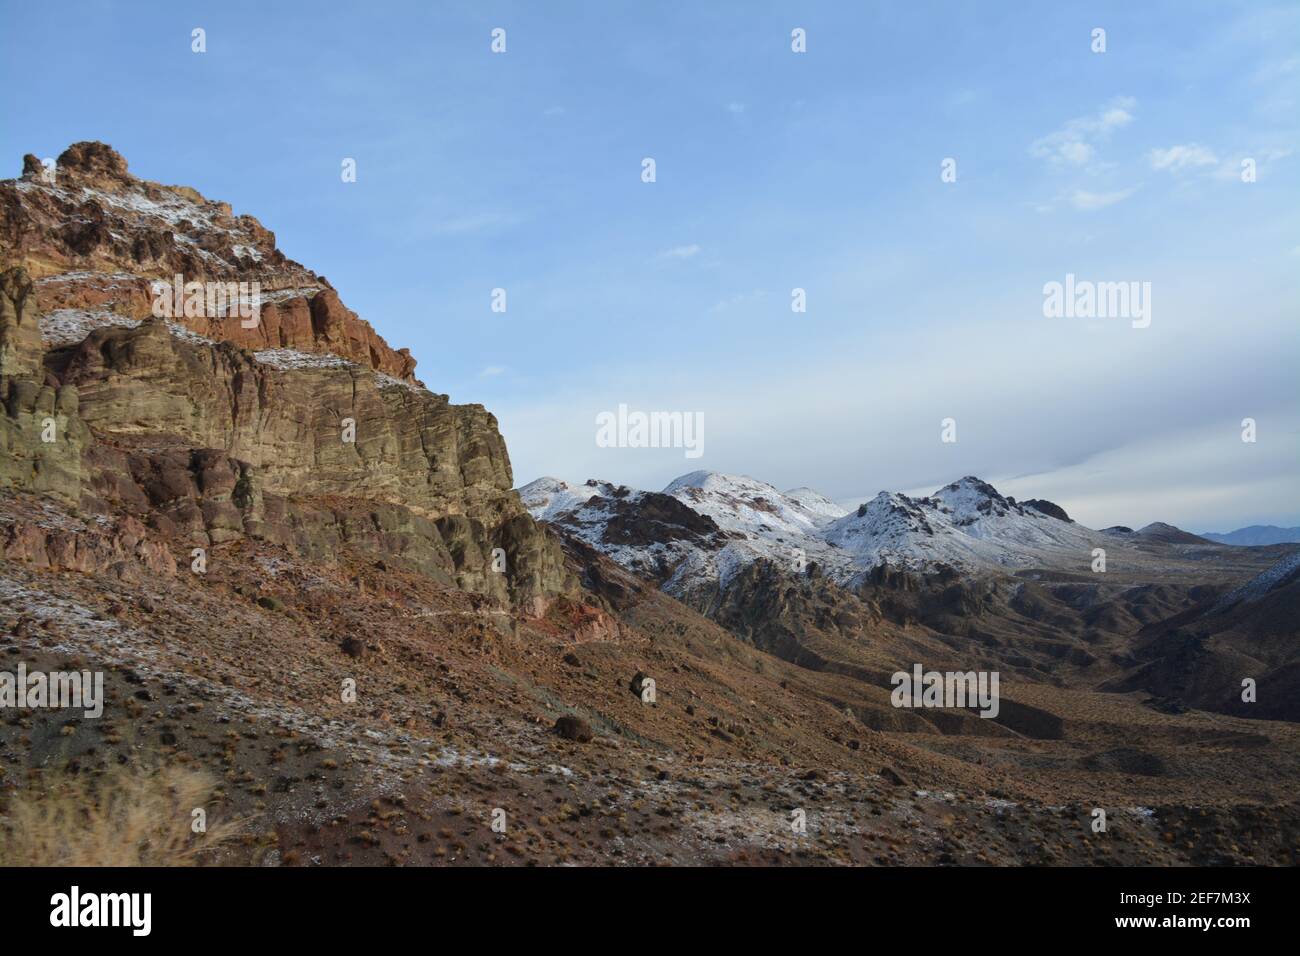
<point x="94" y="238"/>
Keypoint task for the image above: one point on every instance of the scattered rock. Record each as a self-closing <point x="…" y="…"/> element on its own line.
<point x="573" y="728"/>
<point x="893" y="776"/>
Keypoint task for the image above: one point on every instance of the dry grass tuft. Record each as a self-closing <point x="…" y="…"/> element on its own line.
<point x="127" y="816"/>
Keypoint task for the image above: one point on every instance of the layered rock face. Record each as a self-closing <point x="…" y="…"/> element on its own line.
<point x="93" y="238"/>
<point x="307" y="431"/>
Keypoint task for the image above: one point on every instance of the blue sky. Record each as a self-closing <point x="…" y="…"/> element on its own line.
<point x="775" y="170"/>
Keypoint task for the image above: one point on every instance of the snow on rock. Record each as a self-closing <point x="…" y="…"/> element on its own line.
<point x="967" y="524"/>
<point x="286" y="359"/>
<point x="387" y="381"/>
<point x="186" y="335"/>
<point x="140" y="204"/>
<point x="63" y="327"/>
<point x="105" y="280"/>
<point x="763" y="523"/>
<point x="292" y="359"/>
<point x="1262" y="583"/>
<point x="172" y="209"/>
<point x="753" y="508"/>
<point x="647" y="532"/>
<point x="291" y="292"/>
<point x="700" y="531"/>
<point x="823" y="509"/>
<point x="547" y="498"/>
<point x="70" y="326"/>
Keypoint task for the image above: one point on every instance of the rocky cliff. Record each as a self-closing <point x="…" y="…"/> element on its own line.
<point x="93" y="238"/>
<point x="304" y="429"/>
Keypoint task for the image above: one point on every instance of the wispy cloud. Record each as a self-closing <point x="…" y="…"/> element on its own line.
<point x="1183" y="156"/>
<point x="1075" y="143"/>
<point x="1088" y="201"/>
<point x="680" y="252"/>
<point x="1232" y="167"/>
<point x="492" y="371"/>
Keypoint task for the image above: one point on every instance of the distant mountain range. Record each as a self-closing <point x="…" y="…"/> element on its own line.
<point x="705" y="527"/>
<point x="1256" y="534"/>
<point x="843" y="590"/>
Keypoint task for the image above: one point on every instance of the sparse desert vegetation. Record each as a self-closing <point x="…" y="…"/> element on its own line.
<point x="126" y="815"/>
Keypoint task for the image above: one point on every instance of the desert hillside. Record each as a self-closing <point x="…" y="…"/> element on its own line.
<point x="311" y="587"/>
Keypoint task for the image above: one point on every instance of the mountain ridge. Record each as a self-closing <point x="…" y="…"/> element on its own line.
<point x="965" y="524"/>
<point x="1255" y="535"/>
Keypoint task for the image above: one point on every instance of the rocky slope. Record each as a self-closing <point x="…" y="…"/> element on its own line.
<point x="236" y="673"/>
<point x="1201" y="657"/>
<point x="306" y="430"/>
<point x="130" y="444"/>
<point x="793" y="575"/>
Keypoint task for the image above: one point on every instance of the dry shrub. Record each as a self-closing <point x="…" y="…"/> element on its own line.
<point x="126" y="816"/>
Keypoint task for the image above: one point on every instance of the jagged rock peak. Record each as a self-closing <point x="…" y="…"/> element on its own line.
<point x="95" y="239"/>
<point x="974" y="485"/>
<point x="90" y="163"/>
<point x="1047" y="507"/>
<point x="94" y="159"/>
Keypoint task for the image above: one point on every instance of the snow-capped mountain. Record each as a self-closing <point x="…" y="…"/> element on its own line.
<point x="645" y="531"/>
<point x="822" y="509"/>
<point x="760" y="522"/>
<point x="754" y="507"/>
<point x="967" y="524"/>
<point x="701" y="529"/>
<point x="546" y="498"/>
<point x="712" y="525"/>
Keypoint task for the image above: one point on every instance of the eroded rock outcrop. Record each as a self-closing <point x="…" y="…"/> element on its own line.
<point x="94" y="238"/>
<point x="306" y="431"/>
